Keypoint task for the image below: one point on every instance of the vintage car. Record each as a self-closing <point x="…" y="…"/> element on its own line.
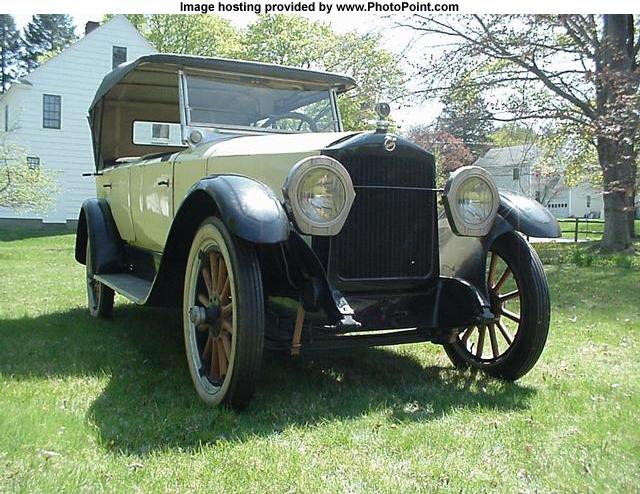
<point x="230" y="190"/>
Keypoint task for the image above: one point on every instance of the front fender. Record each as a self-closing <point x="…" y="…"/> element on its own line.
<point x="465" y="257"/>
<point x="248" y="208"/>
<point x="96" y="223"/>
<point x="528" y="216"/>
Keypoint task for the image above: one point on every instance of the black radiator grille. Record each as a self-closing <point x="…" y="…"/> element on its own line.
<point x="389" y="232"/>
<point x="388" y="171"/>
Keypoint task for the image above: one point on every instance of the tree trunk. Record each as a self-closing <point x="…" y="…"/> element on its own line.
<point x="616" y="228"/>
<point x="617" y="126"/>
<point x="631" y="201"/>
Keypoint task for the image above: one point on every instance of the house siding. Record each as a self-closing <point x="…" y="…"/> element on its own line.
<point x="560" y="199"/>
<point x="74" y="74"/>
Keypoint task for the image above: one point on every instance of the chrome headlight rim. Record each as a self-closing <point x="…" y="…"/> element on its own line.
<point x="294" y="180"/>
<point x="451" y="192"/>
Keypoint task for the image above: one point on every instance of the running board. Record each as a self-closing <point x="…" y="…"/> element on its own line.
<point x="134" y="288"/>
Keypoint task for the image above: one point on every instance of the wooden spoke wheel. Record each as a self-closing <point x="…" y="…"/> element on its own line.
<point x="223" y="316"/>
<point x="510" y="345"/>
<point x="99" y="296"/>
<point x="487" y="342"/>
<point x="213" y="317"/>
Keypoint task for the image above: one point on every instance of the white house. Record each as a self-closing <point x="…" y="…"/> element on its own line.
<point x="513" y="169"/>
<point x="46" y="111"/>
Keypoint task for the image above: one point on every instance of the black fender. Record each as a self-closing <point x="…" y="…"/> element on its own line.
<point x="465" y="258"/>
<point x="249" y="209"/>
<point x="528" y="216"/>
<point x="107" y="250"/>
<point x="316" y="291"/>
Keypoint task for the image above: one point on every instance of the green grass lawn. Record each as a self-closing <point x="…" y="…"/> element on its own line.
<point x="92" y="406"/>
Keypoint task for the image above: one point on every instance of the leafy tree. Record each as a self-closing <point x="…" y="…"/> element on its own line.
<point x="466" y="115"/>
<point x="578" y="71"/>
<point x="204" y="35"/>
<point x="575" y="157"/>
<point x="288" y="40"/>
<point x="44" y="34"/>
<point x="300" y="42"/>
<point x="513" y="134"/>
<point x="10" y="47"/>
<point x="22" y="187"/>
<point x="449" y="151"/>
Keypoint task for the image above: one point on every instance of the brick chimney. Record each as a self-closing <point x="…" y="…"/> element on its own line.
<point x="90" y="26"/>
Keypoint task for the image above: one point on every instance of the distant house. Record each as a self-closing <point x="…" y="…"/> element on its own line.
<point x="514" y="169"/>
<point x="46" y="111"/>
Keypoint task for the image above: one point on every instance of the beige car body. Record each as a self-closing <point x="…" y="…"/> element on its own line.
<point x="144" y="195"/>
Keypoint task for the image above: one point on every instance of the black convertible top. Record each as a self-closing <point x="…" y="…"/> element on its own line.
<point x="147" y="90"/>
<point x="167" y="61"/>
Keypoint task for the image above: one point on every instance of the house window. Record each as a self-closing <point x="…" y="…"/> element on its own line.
<point x="33" y="162"/>
<point x="118" y="56"/>
<point x="51" y="111"/>
<point x="6" y="118"/>
<point x="516" y="173"/>
<point x="588" y="201"/>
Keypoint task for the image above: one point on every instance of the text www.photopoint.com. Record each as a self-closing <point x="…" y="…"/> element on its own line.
<point x="317" y="6"/>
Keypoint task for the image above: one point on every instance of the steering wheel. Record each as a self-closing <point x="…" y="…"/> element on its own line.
<point x="271" y="121"/>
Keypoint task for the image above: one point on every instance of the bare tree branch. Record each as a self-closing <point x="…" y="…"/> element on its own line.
<point x="579" y="35"/>
<point x="538" y="72"/>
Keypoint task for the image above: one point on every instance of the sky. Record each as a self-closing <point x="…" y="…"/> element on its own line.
<point x="393" y="39"/>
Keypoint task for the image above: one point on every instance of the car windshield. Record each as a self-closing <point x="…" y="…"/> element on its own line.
<point x="257" y="106"/>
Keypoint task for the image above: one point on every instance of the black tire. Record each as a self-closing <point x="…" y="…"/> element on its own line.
<point x="530" y="335"/>
<point x="224" y="350"/>
<point x="99" y="296"/>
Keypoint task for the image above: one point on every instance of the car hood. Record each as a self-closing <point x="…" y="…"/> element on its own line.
<point x="274" y="144"/>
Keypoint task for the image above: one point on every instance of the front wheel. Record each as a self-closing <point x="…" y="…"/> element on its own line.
<point x="509" y="346"/>
<point x="223" y="316"/>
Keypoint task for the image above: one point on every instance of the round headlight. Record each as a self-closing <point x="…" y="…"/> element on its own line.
<point x="318" y="192"/>
<point x="471" y="201"/>
<point x="475" y="201"/>
<point x="321" y="195"/>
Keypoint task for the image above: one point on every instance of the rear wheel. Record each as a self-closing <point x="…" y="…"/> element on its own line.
<point x="223" y="316"/>
<point x="99" y="296"/>
<point x="509" y="346"/>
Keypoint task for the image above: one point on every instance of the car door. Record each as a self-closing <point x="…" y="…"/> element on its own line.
<point x="113" y="185"/>
<point x="151" y="194"/>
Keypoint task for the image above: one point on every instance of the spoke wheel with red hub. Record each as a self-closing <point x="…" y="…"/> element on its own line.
<point x="223" y="316"/>
<point x="509" y="346"/>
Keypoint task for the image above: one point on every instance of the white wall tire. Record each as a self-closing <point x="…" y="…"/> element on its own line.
<point x="224" y="353"/>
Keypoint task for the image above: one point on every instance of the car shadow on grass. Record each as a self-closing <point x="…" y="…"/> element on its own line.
<point x="149" y="403"/>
